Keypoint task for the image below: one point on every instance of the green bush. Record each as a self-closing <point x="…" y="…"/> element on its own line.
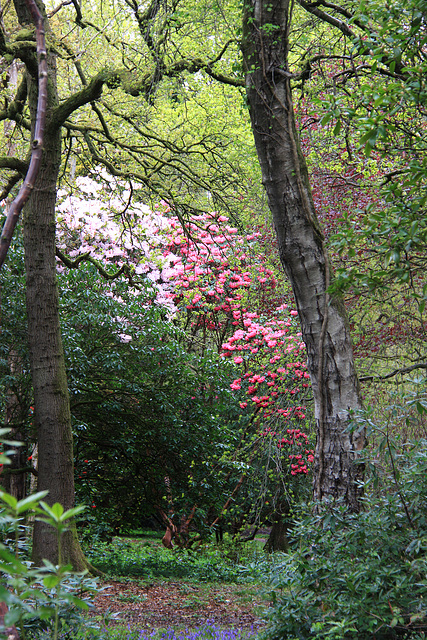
<point x="359" y="575"/>
<point x="38" y="598"/>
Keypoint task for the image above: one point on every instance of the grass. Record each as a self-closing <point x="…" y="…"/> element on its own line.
<point x="146" y="558"/>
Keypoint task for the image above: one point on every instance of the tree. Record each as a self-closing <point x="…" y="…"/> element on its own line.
<point x="266" y="29"/>
<point x="51" y="402"/>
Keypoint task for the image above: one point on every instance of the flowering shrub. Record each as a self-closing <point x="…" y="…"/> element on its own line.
<point x="216" y="285"/>
<point x="183" y="361"/>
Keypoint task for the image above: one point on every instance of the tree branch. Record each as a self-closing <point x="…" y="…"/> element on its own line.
<point x="339" y="9"/>
<point x="421" y="365"/>
<point x="326" y="17"/>
<point x="13" y="180"/>
<point x="14" y="110"/>
<point x="37" y="141"/>
<point x="92" y="91"/>
<point x="86" y="257"/>
<point x="65" y="3"/>
<point x="14" y="164"/>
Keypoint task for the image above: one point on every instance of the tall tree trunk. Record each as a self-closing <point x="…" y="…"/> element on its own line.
<point x="51" y="402"/>
<point x="302" y="250"/>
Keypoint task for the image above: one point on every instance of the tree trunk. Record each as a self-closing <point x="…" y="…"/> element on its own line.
<point x="302" y="250"/>
<point x="52" y="417"/>
<point x="278" y="537"/>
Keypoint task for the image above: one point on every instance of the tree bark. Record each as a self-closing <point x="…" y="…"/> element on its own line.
<point x="52" y="417"/>
<point x="278" y="537"/>
<point x="302" y="249"/>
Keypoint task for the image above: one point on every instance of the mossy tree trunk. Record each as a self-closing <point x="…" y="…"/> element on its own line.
<point x="324" y="324"/>
<point x="52" y="417"/>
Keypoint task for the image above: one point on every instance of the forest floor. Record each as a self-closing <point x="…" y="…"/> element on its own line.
<point x="163" y="604"/>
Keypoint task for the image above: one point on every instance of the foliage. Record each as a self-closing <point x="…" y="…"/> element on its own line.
<point x="361" y="117"/>
<point x="161" y="420"/>
<point x="37" y="597"/>
<point x="378" y="109"/>
<point x="143" y="406"/>
<point x="227" y="295"/>
<point x="361" y="575"/>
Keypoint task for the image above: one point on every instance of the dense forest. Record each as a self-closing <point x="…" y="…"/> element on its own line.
<point x="213" y="302"/>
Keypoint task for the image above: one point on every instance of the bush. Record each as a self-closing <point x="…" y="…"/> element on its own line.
<point x="359" y="575"/>
<point x="38" y="598"/>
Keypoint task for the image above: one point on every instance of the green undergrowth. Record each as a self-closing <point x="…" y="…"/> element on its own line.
<point x="140" y="558"/>
<point x="208" y="631"/>
<point x="359" y="576"/>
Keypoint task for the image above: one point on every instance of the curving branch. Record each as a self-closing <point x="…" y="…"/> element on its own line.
<point x="86" y="257"/>
<point x="90" y="92"/>
<point x="37" y="142"/>
<point x="313" y="8"/>
<point x="13" y="180"/>
<point x="341" y="10"/>
<point x="395" y="372"/>
<point x="14" y="164"/>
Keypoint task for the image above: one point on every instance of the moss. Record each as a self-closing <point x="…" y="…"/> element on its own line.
<point x="25" y="35"/>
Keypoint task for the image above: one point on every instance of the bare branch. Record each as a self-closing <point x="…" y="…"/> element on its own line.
<point x="86" y="257"/>
<point x="59" y="7"/>
<point x="79" y="16"/>
<point x="326" y="17"/>
<point x="420" y="365"/>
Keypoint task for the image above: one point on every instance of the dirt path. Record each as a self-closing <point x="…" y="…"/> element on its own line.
<point x="181" y="605"/>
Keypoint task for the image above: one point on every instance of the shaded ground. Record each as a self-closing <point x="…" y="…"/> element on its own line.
<point x="156" y="605"/>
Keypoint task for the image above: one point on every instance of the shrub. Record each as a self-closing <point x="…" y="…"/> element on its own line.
<point x="38" y="598"/>
<point x="359" y="575"/>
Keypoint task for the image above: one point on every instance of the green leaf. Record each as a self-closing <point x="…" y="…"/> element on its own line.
<point x="31" y="501"/>
<point x="12" y="617"/>
<point x="70" y="513"/>
<point x="8" y="499"/>
<point x="51" y="581"/>
<point x="325" y="119"/>
<point x="78" y="602"/>
<point x="54" y="512"/>
<point x="421" y="406"/>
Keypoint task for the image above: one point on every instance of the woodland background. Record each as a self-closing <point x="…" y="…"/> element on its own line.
<point x="200" y="334"/>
